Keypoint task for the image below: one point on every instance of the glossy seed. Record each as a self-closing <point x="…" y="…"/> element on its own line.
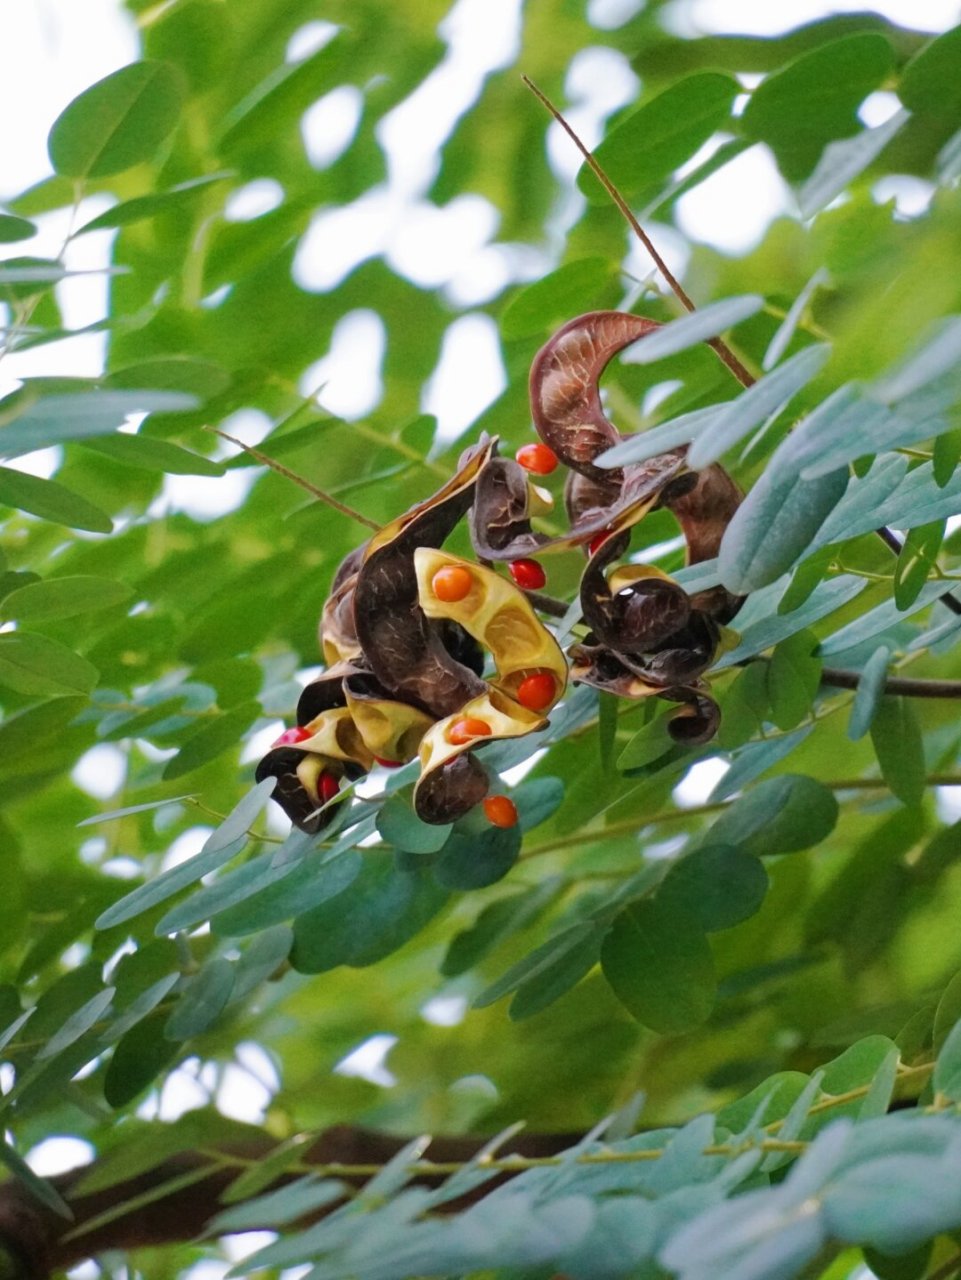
<point x="528" y="574"/>
<point x="290" y="737"/>
<point x="537" y="691"/>
<point x="451" y="583"/>
<point x="462" y="731"/>
<point x="539" y="458"/>
<point x="500" y="811"/>
<point x="327" y="787"/>
<point x="388" y="764"/>
<point x="598" y="541"/>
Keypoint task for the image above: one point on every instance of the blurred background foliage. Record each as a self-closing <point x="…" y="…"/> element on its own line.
<point x="153" y="648"/>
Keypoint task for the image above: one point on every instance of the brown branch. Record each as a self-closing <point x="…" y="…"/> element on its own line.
<point x="902" y="685"/>
<point x="281" y="470"/>
<point x="177" y="1200"/>
<point x="718" y="345"/>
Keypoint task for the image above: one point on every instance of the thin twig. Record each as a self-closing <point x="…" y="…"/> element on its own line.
<point x="319" y="494"/>
<point x="718" y="345"/>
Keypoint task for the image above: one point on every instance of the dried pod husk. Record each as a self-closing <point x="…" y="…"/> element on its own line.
<point x="448" y="788"/>
<point x="565" y="398"/>
<point x="500" y="519"/>
<point x="390" y="730"/>
<point x="698" y="719"/>
<point x="600" y="667"/>
<point x="404" y="649"/>
<point x="499" y="617"/>
<point x="324" y="692"/>
<point x="338" y="633"/>
<point x="297" y="773"/>
<point x="704" y="509"/>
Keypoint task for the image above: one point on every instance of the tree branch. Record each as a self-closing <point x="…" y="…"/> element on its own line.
<point x="901" y="685"/>
<point x="177" y="1200"/>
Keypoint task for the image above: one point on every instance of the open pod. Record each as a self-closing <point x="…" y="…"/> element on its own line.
<point x="452" y="780"/>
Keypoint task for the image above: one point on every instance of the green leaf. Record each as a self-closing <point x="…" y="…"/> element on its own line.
<point x="477" y="854"/>
<point x="13" y="229"/>
<point x="788" y="326"/>
<point x="63" y="598"/>
<point x="657" y="138"/>
<point x="242" y="903"/>
<point x="78" y="1024"/>
<point x="947" y="1069"/>
<point x="774" y="526"/>
<point x="118" y="122"/>
<point x="549" y="302"/>
<point x="929" y="83"/>
<point x="203" y="1000"/>
<point x="826" y="598"/>
<point x="880" y="619"/>
<point x="647" y="745"/>
<point x="842" y="162"/>
<point x="947" y="455"/>
<point x="555" y="978"/>
<point x="870" y="690"/>
<point x="114" y="814"/>
<point x="164" y="886"/>
<point x="800" y="108"/>
<point x="896" y="735"/>
<point x="917" y="560"/>
<point x="937" y="354"/>
<point x="756" y="758"/>
<point x="212" y="739"/>
<point x="35" y="664"/>
<point x="659" y="964"/>
<point x="154" y="455"/>
<point x="140" y="207"/>
<point x="496" y="923"/>
<point x="689" y="330"/>
<point x="399" y="826"/>
<point x="38" y="1187"/>
<point x="280" y="1207"/>
<point x="137" y="1060"/>
<point x="718" y="885"/>
<point x="779" y="815"/>
<point x="384" y="907"/>
<point x="557" y="953"/>
<point x="51" y="501"/>
<point x="735" y="420"/>
<point x="274" y="107"/>
<point x="793" y="679"/>
<point x="57" y="419"/>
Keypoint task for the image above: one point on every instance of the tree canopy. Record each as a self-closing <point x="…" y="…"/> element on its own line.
<point x="726" y="1013"/>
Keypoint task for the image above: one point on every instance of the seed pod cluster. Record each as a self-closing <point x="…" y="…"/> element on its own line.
<point x="406" y="627"/>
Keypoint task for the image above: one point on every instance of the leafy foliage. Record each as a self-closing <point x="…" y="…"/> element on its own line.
<point x="774" y="965"/>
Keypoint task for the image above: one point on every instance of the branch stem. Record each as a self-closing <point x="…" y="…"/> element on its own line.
<point x="281" y="470"/>
<point x="718" y="345"/>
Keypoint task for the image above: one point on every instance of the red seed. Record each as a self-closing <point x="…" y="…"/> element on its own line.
<point x="452" y="582"/>
<point x="537" y="691"/>
<point x="500" y="811"/>
<point x="598" y="541"/>
<point x="539" y="458"/>
<point x="388" y="764"/>
<point x="327" y="787"/>
<point x="527" y="574"/>
<point x="290" y="737"/>
<point x="463" y="731"/>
